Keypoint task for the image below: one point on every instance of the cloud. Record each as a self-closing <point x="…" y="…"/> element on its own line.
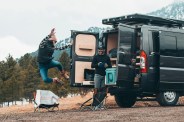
<point x="29" y="21"/>
<point x="13" y="46"/>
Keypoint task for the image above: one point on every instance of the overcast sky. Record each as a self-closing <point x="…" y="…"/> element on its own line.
<point x="24" y="23"/>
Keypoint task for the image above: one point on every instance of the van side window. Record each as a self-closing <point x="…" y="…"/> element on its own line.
<point x="180" y="47"/>
<point x="155" y="38"/>
<point x="168" y="45"/>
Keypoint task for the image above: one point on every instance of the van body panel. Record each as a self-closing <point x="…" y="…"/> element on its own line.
<point x="150" y="80"/>
<point x="161" y="39"/>
<point x="171" y="60"/>
<point x="165" y="70"/>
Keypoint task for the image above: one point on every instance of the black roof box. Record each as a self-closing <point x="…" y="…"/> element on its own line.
<point x="140" y="19"/>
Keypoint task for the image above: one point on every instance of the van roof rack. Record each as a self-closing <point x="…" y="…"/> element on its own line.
<point x="140" y="19"/>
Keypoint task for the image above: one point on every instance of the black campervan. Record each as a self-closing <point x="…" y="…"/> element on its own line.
<point x="147" y="53"/>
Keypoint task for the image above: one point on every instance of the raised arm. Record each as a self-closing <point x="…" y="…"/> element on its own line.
<point x="52" y="32"/>
<point x="49" y="37"/>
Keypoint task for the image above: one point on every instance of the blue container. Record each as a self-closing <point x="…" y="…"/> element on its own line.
<point x="110" y="78"/>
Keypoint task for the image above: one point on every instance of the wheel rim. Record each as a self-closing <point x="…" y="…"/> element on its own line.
<point x="169" y="96"/>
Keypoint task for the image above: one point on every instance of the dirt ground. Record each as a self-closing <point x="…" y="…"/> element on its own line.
<point x="69" y="112"/>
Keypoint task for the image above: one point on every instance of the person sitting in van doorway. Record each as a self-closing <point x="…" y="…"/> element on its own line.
<point x="45" y="59"/>
<point x="100" y="62"/>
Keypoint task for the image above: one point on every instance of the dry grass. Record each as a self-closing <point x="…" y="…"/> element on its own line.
<point x="64" y="104"/>
<point x="72" y="104"/>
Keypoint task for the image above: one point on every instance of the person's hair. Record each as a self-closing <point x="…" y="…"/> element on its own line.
<point x="101" y="48"/>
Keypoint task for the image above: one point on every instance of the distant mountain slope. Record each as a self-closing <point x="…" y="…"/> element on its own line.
<point x="174" y="11"/>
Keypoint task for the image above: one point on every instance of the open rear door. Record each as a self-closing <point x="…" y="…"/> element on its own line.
<point x="83" y="49"/>
<point x="126" y="52"/>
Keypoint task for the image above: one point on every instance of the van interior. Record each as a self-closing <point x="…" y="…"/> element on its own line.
<point x="83" y="72"/>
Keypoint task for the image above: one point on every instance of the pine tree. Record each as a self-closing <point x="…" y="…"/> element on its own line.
<point x="24" y="61"/>
<point x="30" y="75"/>
<point x="65" y="61"/>
<point x="8" y="84"/>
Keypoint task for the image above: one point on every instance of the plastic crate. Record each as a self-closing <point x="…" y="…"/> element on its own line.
<point x="110" y="78"/>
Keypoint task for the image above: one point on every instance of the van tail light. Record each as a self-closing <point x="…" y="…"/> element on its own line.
<point x="143" y="62"/>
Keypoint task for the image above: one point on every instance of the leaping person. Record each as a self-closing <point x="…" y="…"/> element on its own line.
<point x="45" y="59"/>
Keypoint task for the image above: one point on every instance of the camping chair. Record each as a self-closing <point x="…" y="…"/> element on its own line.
<point x="97" y="102"/>
<point x="44" y="99"/>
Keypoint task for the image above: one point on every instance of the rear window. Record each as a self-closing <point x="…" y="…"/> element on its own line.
<point x="125" y="47"/>
<point x="125" y="42"/>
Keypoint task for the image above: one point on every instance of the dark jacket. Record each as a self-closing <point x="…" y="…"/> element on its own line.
<point x="45" y="51"/>
<point x="100" y="58"/>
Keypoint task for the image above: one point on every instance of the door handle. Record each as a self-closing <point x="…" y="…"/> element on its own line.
<point x="86" y="58"/>
<point x="121" y="52"/>
<point x="153" y="53"/>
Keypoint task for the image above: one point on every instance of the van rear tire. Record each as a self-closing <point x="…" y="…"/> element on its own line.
<point x="168" y="98"/>
<point x="125" y="101"/>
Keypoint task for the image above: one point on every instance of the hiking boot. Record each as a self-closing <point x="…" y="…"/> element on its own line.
<point x="57" y="81"/>
<point x="64" y="74"/>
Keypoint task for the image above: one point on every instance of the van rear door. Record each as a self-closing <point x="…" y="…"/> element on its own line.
<point x="82" y="52"/>
<point x="126" y="52"/>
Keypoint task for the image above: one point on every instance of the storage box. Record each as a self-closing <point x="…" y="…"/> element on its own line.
<point x="110" y="78"/>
